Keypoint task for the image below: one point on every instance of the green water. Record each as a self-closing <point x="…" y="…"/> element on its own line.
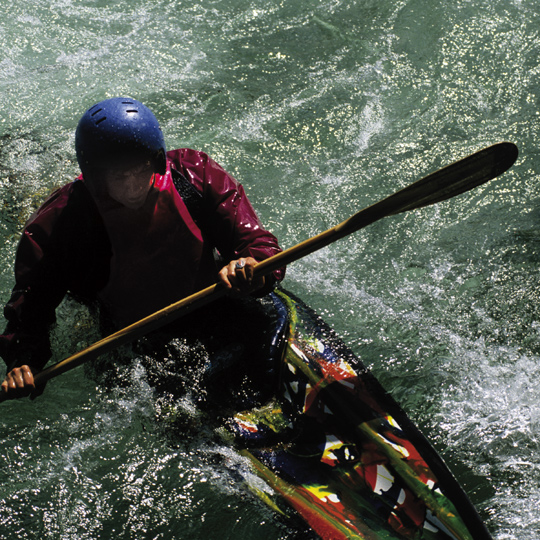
<point x="319" y="108"/>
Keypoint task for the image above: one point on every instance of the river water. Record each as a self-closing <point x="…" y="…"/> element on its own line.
<point x="319" y="108"/>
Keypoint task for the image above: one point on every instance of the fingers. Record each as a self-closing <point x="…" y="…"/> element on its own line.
<point x="242" y="273"/>
<point x="238" y="276"/>
<point x="235" y="274"/>
<point x="19" y="382"/>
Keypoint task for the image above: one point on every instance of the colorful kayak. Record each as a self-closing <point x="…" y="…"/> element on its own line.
<point x="337" y="449"/>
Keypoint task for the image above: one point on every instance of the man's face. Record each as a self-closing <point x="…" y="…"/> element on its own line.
<point x="130" y="184"/>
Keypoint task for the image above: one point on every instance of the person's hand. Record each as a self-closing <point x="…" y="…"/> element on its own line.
<point x="19" y="382"/>
<point x="237" y="277"/>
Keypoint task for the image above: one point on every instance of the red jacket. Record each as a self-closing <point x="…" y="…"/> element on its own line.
<point x="133" y="261"/>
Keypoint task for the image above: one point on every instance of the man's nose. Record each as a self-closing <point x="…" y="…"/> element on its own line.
<point x="134" y="185"/>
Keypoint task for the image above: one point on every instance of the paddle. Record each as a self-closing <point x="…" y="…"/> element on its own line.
<point x="441" y="185"/>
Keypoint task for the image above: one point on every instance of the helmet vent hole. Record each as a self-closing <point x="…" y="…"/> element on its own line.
<point x="100" y="120"/>
<point x="96" y="111"/>
<point x="132" y="111"/>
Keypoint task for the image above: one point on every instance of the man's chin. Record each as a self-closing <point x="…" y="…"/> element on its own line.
<point x="134" y="205"/>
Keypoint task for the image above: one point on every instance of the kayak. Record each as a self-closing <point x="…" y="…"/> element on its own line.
<point x="335" y="448"/>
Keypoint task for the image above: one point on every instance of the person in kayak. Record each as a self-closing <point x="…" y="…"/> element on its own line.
<point x="139" y="229"/>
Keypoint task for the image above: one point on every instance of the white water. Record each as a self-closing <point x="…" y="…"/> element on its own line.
<point x="319" y="108"/>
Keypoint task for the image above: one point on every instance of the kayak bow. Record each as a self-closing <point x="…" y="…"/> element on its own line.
<point x="338" y="449"/>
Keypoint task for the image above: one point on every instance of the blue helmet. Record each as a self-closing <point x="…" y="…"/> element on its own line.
<point x="116" y="129"/>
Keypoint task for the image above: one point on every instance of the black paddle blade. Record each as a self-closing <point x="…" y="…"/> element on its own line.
<point x="457" y="178"/>
<point x="452" y="180"/>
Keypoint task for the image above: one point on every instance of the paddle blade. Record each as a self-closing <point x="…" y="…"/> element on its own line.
<point x="457" y="178"/>
<point x="452" y="180"/>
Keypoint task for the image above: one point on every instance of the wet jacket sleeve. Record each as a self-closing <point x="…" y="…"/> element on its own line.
<point x="233" y="224"/>
<point x="30" y="310"/>
<point x="54" y="255"/>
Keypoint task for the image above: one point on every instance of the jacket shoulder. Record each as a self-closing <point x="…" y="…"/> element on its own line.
<point x="58" y="201"/>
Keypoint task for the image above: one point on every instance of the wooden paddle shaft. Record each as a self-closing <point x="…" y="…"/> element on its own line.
<point x="443" y="184"/>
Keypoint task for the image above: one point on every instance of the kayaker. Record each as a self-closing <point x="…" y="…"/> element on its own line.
<point x="138" y="230"/>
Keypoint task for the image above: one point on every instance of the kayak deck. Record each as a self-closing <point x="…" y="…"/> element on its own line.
<point x="335" y="447"/>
